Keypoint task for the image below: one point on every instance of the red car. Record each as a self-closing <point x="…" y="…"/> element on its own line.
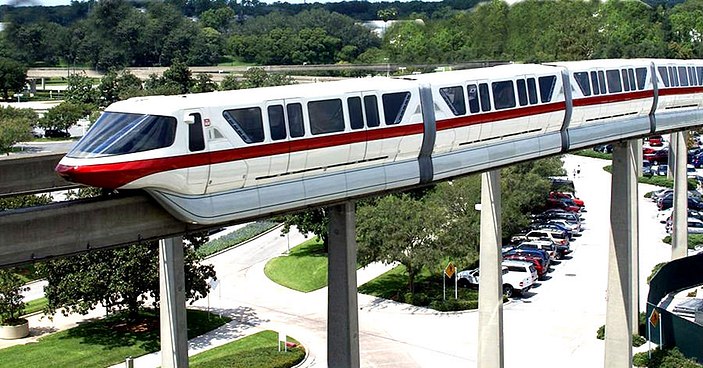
<point x="536" y="261"/>
<point x="570" y="196"/>
<point x="560" y="203"/>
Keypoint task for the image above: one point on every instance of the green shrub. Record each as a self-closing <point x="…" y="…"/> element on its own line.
<point x="693" y="240"/>
<point x="648" y="195"/>
<point x="452" y="305"/>
<point x="655" y="269"/>
<point x="670" y="358"/>
<point x="594" y="154"/>
<point x="600" y="334"/>
<point x="419" y="299"/>
<point x="236" y="237"/>
<point x="641" y="359"/>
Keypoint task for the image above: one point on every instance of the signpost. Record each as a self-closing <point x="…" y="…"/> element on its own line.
<point x="450" y="271"/>
<point x="654" y="320"/>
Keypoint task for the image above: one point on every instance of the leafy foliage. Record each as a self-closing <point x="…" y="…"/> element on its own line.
<point x="11" y="299"/>
<point x="693" y="241"/>
<point x="668" y="358"/>
<point x="15" y="126"/>
<point x="65" y="115"/>
<point x="12" y="76"/>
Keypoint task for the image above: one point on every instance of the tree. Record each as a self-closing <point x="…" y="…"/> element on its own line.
<point x="124" y="278"/>
<point x="314" y="221"/>
<point x="15" y="126"/>
<point x="13" y="76"/>
<point x="116" y="86"/>
<point x="11" y="298"/>
<point x="80" y="90"/>
<point x="203" y="83"/>
<point x="65" y="115"/>
<point x="179" y="75"/>
<point x="399" y="228"/>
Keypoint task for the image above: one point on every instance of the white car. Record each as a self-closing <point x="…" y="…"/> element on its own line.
<point x="518" y="277"/>
<point x="695" y="226"/>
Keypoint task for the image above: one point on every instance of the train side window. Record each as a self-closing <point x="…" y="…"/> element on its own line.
<point x="692" y="76"/>
<point x="454" y="97"/>
<point x="326" y="116"/>
<point x="614" y="82"/>
<point x="532" y="91"/>
<point x="633" y="82"/>
<point x="546" y="87"/>
<point x="594" y="82"/>
<point x="699" y="72"/>
<point x="356" y="115"/>
<point x="683" y="76"/>
<point x="196" y="140"/>
<point x="674" y="76"/>
<point x="664" y="74"/>
<point x="247" y="123"/>
<point x="485" y="98"/>
<point x="295" y="120"/>
<point x="277" y="122"/>
<point x="472" y="92"/>
<point x="503" y="95"/>
<point x="581" y="79"/>
<point x="601" y="81"/>
<point x="625" y="80"/>
<point x="371" y="110"/>
<point x="522" y="92"/>
<point x="394" y="105"/>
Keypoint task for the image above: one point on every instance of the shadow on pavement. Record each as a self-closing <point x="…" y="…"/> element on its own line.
<point x="243" y="319"/>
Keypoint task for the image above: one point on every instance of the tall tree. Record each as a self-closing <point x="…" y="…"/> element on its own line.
<point x="13" y="76"/>
<point x="15" y="126"/>
<point x="65" y="115"/>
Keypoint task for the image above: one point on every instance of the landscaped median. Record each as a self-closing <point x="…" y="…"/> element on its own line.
<point x="102" y="343"/>
<point x="305" y="269"/>
<point x="260" y="350"/>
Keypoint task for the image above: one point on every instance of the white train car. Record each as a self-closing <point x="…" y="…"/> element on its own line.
<point x="609" y="99"/>
<point x="679" y="93"/>
<point x="222" y="156"/>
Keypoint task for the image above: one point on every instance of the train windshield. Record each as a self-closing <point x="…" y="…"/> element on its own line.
<point x="120" y="133"/>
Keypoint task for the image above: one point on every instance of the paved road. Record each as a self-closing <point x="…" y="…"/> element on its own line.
<point x="561" y="315"/>
<point x="553" y="326"/>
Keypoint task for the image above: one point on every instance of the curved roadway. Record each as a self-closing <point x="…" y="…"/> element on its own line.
<point x="554" y="326"/>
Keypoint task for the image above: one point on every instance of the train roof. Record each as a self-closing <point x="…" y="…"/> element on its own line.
<point x="169" y="105"/>
<point x="602" y="63"/>
<point x="493" y="72"/>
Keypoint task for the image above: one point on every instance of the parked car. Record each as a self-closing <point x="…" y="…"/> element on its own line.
<point x="603" y="148"/>
<point x="517" y="281"/>
<point x="525" y="271"/>
<point x="658" y="156"/>
<point x="556" y="237"/>
<point x="542" y="256"/>
<point x="695" y="226"/>
<point x="567" y="195"/>
<point x="544" y="245"/>
<point x="53" y="133"/>
<point x="536" y="261"/>
<point x="562" y="203"/>
<point x="696" y="160"/>
<point x="655" y="141"/>
<point x="553" y="227"/>
<point x="660" y="170"/>
<point x="569" y="217"/>
<point x="668" y="202"/>
<point x="647" y="168"/>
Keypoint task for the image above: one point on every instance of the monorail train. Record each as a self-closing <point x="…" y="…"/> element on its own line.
<point x="222" y="156"/>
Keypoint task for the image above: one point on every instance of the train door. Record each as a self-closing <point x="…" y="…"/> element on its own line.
<point x="278" y="134"/>
<point x="295" y="124"/>
<point x="482" y="100"/>
<point x="355" y="112"/>
<point x="197" y="176"/>
<point x="372" y="116"/>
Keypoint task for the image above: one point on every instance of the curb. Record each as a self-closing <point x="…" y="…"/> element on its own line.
<point x="244" y="242"/>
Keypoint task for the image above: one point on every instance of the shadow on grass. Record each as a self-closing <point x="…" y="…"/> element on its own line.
<point x="143" y="332"/>
<point x="312" y="249"/>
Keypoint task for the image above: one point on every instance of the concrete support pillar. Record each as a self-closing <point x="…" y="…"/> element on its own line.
<point x="635" y="157"/>
<point x="174" y="336"/>
<point x="638" y="157"/>
<point x="672" y="155"/>
<point x="342" y="304"/>
<point x="679" y="232"/>
<point x="490" y="296"/>
<point x="618" y="329"/>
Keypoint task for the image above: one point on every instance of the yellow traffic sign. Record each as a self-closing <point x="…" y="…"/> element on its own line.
<point x="450" y="270"/>
<point x="654" y="318"/>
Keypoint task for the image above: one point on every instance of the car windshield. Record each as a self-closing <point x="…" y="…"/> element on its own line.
<point x="120" y="133"/>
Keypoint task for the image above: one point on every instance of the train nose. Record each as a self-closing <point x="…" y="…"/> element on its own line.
<point x="67" y="172"/>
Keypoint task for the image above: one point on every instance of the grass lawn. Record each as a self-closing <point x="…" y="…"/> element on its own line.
<point x="304" y="269"/>
<point x="256" y="351"/>
<point x="393" y="285"/>
<point x="103" y="342"/>
<point x="35" y="305"/>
